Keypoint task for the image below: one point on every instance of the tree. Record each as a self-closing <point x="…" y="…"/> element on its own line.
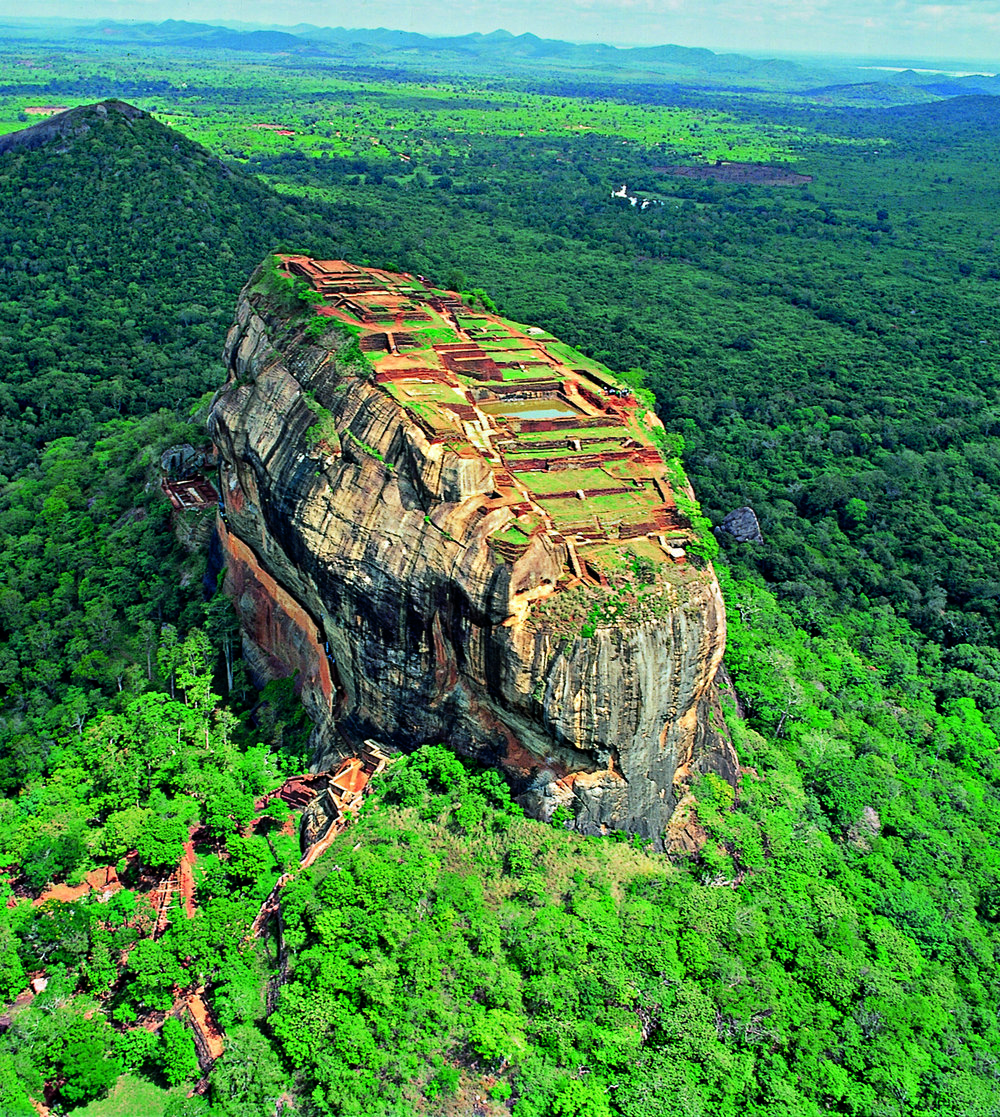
<point x="153" y="971"/>
<point x="498" y="1036"/>
<point x="228" y="808"/>
<point x="12" y="976"/>
<point x="161" y="842"/>
<point x="83" y="1056"/>
<point x="14" y="1087"/>
<point x="136" y="1047"/>
<point x="249" y="859"/>
<point x="52" y="855"/>
<point x="177" y="1056"/>
<point x="855" y="513"/>
<point x="223" y="628"/>
<point x="127" y="829"/>
<point x="55" y="933"/>
<point x="194" y="672"/>
<point x="249" y="1078"/>
<point x="582" y="1097"/>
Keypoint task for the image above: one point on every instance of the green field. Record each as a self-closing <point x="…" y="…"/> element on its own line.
<point x="512" y="535"/>
<point x="565" y="480"/>
<point x="625" y="506"/>
<point x="575" y="359"/>
<point x="525" y="451"/>
<point x="427" y="336"/>
<point x="610" y="434"/>
<point x="132" y="1097"/>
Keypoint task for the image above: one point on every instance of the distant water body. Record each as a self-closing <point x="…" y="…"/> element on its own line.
<point x="942" y="73"/>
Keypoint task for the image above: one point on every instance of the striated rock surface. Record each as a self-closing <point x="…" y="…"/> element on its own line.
<point x="362" y="554"/>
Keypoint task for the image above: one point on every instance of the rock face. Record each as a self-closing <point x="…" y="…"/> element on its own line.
<point x="742" y="525"/>
<point x="361" y="561"/>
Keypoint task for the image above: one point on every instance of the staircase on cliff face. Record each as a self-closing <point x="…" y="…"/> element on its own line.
<point x="328" y="801"/>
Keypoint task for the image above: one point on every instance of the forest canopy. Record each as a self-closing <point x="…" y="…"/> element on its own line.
<point x="827" y="351"/>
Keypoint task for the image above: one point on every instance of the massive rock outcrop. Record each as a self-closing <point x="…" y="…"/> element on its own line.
<point x="422" y="593"/>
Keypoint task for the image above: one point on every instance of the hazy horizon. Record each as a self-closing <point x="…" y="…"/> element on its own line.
<point x="944" y="31"/>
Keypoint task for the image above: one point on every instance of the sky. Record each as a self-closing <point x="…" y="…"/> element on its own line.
<point x="948" y="29"/>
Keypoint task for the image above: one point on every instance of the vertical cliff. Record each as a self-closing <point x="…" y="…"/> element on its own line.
<point x="467" y="535"/>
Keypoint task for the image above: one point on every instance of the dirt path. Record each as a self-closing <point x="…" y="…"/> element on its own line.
<point x="205" y="1024"/>
<point x="104" y="881"/>
<point x="186" y="878"/>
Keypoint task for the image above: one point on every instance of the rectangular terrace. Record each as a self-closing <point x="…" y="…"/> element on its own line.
<point x="571" y="454"/>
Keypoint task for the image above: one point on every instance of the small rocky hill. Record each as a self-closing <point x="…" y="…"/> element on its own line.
<point x="125" y="248"/>
<point x="68" y="127"/>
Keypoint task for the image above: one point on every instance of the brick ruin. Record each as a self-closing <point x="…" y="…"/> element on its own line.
<point x="486" y="386"/>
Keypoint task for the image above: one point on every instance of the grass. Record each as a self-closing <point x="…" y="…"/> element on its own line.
<point x="512" y="535"/>
<point x="570" y="509"/>
<point x="601" y="447"/>
<point x="536" y="333"/>
<point x="563" y="480"/>
<point x="615" y="863"/>
<point x="641" y="502"/>
<point x="433" y="392"/>
<point x="610" y="557"/>
<point x="621" y="559"/>
<point x="494" y="339"/>
<point x="643" y="548"/>
<point x="558" y="856"/>
<point x="536" y="373"/>
<point x="434" y="335"/>
<point x="132" y="1097"/>
<point x="627" y="506"/>
<point x="507" y="348"/>
<point x="549" y="454"/>
<point x="574" y="359"/>
<point x="612" y="434"/>
<point x="625" y="470"/>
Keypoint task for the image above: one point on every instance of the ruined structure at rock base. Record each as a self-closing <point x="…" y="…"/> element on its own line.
<point x="465" y="534"/>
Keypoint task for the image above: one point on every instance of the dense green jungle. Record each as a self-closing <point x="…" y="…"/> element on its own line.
<point x="827" y="347"/>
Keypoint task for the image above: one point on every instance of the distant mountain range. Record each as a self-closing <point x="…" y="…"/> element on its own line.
<point x="907" y="86"/>
<point x="500" y="52"/>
